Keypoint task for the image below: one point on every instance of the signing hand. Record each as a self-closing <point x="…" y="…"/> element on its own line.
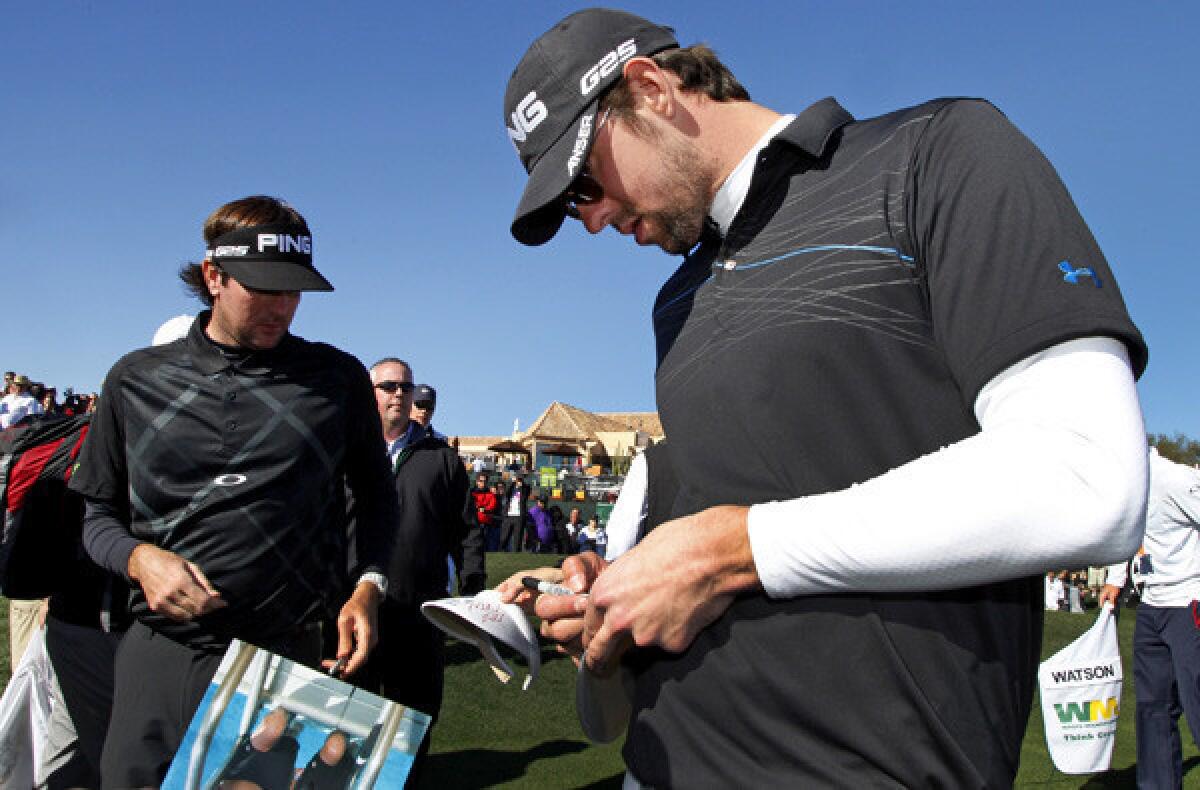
<point x="513" y="591"/>
<point x="357" y="631"/>
<point x="562" y="615"/>
<point x="662" y="592"/>
<point x="173" y="586"/>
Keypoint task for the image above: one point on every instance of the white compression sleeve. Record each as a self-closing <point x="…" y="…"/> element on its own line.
<point x="1055" y="479"/>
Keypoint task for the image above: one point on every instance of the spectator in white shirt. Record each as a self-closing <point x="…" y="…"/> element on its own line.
<point x="18" y="403"/>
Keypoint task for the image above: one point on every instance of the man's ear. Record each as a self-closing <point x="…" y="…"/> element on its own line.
<point x="650" y="86"/>
<point x="212" y="276"/>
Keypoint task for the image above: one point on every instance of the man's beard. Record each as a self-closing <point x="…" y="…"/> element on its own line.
<point x="692" y="183"/>
<point x="680" y="228"/>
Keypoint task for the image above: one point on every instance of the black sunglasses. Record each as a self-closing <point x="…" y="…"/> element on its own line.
<point x="391" y="386"/>
<point x="584" y="190"/>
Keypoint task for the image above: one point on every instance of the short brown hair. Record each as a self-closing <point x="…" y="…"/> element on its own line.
<point x="243" y="213"/>
<point x="699" y="71"/>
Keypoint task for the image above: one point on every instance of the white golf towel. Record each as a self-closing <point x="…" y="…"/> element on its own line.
<point x="1080" y="689"/>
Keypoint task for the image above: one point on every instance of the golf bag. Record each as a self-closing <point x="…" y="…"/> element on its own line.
<point x="42" y="519"/>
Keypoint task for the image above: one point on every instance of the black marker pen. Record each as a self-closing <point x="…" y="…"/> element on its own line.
<point x="549" y="588"/>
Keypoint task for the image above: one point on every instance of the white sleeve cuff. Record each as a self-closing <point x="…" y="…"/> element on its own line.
<point x="378" y="579"/>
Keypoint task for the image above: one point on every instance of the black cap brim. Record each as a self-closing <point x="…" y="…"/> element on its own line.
<point x="276" y="275"/>
<point x="541" y="211"/>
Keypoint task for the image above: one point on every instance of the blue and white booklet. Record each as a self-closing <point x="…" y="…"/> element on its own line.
<point x="277" y="724"/>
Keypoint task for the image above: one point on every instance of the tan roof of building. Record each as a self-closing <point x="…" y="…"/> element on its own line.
<point x="571" y="423"/>
<point x="644" y="421"/>
<point x="560" y="421"/>
<point x="480" y="441"/>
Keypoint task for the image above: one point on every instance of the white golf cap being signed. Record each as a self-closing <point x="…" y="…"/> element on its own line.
<point x="481" y="619"/>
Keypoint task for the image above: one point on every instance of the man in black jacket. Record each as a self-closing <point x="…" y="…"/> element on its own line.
<point x="435" y="522"/>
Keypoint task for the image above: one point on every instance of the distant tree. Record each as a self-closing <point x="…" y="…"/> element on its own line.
<point x="1178" y="448"/>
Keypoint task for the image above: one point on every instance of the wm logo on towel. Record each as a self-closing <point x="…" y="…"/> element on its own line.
<point x="1092" y="710"/>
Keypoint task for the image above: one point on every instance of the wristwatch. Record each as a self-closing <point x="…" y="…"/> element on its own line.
<point x="378" y="579"/>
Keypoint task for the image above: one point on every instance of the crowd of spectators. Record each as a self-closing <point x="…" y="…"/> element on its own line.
<point x="1075" y="590"/>
<point x="26" y="399"/>
<point x="515" y="518"/>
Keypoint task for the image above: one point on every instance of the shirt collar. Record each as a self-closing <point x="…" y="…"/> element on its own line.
<point x="412" y="434"/>
<point x="814" y="128"/>
<point x="810" y="131"/>
<point x="206" y="355"/>
<point x="732" y="193"/>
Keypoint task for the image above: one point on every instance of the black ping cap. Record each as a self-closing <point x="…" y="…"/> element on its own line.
<point x="550" y="105"/>
<point x="276" y="257"/>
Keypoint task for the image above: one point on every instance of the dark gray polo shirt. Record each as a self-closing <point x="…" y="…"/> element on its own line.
<point x="239" y="462"/>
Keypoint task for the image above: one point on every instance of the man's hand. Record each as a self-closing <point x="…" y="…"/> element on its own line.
<point x="357" y="631"/>
<point x="173" y="586"/>
<point x="663" y="591"/>
<point x="513" y="591"/>
<point x="562" y="615"/>
<point x="1110" y="594"/>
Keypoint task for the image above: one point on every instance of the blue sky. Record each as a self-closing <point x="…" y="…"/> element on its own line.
<point x="125" y="124"/>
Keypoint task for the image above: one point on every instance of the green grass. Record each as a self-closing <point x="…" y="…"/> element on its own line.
<point x="495" y="735"/>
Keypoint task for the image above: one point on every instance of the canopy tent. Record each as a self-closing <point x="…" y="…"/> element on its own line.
<point x="561" y="449"/>
<point x="508" y="446"/>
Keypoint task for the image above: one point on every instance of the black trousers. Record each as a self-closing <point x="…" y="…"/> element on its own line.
<point x="83" y="663"/>
<point x="158" y="685"/>
<point x="512" y="528"/>
<point x="408" y="665"/>
<point x="1166" y="675"/>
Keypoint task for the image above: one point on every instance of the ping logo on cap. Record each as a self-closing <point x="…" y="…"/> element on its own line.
<point x="530" y="112"/>
<point x="591" y="78"/>
<point x="285" y="242"/>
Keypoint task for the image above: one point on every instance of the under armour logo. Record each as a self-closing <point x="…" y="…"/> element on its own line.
<point x="1072" y="275"/>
